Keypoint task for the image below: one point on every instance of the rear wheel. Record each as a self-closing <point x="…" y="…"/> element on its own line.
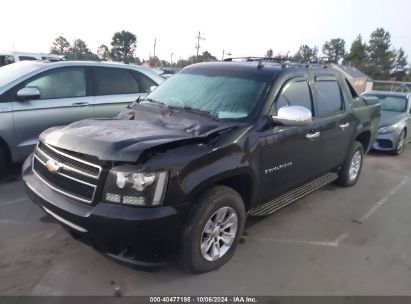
<point x="401" y="144"/>
<point x="351" y="169"/>
<point x="214" y="229"/>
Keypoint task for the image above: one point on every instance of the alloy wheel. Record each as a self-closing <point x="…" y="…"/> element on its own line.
<point x="219" y="234"/>
<point x="355" y="165"/>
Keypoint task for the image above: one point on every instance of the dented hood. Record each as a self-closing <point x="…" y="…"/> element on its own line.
<point x="124" y="138"/>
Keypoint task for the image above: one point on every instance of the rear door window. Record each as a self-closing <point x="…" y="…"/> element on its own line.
<point x="113" y="81"/>
<point x="144" y="82"/>
<point x="329" y="99"/>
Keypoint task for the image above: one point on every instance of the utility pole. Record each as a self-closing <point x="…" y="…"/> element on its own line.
<point x="171" y="59"/>
<point x="198" y="43"/>
<point x="155" y="43"/>
<point x="75" y="47"/>
<point x="228" y="54"/>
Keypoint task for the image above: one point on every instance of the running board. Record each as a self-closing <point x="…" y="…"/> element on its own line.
<point x="293" y="195"/>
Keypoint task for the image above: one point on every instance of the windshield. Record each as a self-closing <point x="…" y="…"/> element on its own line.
<point x="224" y="97"/>
<point x="392" y="103"/>
<point x="14" y="71"/>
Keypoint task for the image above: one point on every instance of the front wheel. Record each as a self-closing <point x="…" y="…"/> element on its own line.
<point x="401" y="144"/>
<point x="213" y="230"/>
<point x="351" y="169"/>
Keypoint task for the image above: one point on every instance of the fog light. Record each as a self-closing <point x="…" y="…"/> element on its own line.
<point x="134" y="200"/>
<point x="111" y="197"/>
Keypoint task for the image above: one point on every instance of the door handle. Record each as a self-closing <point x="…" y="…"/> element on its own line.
<point x="312" y="135"/>
<point x="343" y="126"/>
<point x="80" y="104"/>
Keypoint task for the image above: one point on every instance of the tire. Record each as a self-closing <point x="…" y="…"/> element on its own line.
<point x="3" y="161"/>
<point x="351" y="169"/>
<point x="401" y="144"/>
<point x="205" y="215"/>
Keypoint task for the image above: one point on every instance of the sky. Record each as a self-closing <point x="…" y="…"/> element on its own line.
<point x="242" y="27"/>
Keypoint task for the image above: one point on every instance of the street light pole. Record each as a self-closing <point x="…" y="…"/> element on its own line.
<point x="171" y="59"/>
<point x="155" y="43"/>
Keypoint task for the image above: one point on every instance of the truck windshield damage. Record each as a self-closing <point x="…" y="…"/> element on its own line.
<point x="222" y="96"/>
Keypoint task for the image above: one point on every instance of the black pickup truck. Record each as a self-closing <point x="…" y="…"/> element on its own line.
<point x="179" y="171"/>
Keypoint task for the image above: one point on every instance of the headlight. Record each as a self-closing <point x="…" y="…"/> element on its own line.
<point x="127" y="185"/>
<point x="388" y="129"/>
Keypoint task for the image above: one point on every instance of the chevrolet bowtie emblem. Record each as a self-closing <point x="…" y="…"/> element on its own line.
<point x="53" y="166"/>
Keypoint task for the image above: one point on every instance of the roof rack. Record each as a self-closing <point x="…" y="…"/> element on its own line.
<point x="284" y="62"/>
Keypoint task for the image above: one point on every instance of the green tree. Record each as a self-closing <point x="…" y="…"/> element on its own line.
<point x="123" y="46"/>
<point x="381" y="55"/>
<point x="401" y="65"/>
<point x="307" y="54"/>
<point x="165" y="63"/>
<point x="60" y="46"/>
<point x="181" y="63"/>
<point x="103" y="52"/>
<point x="358" y="53"/>
<point x="269" y="53"/>
<point x="334" y="50"/>
<point x="80" y="51"/>
<point x="204" y="57"/>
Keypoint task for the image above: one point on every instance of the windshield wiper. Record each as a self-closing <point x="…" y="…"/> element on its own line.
<point x="198" y="111"/>
<point x="160" y="103"/>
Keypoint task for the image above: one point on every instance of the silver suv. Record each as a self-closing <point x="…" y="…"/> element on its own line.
<point x="37" y="95"/>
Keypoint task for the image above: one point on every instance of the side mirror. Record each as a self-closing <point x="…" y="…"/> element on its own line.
<point x="371" y="100"/>
<point x="293" y="116"/>
<point x="152" y="88"/>
<point x="28" y="93"/>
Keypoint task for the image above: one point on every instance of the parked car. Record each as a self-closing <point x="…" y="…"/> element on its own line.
<point x="35" y="96"/>
<point x="165" y="72"/>
<point x="13" y="57"/>
<point x="394" y="132"/>
<point x="180" y="170"/>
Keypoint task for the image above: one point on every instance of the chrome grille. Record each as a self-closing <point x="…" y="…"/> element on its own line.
<point x="74" y="178"/>
<point x="71" y="161"/>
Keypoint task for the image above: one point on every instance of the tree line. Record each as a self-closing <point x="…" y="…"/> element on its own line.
<point x="377" y="57"/>
<point x="123" y="46"/>
<point x="122" y="49"/>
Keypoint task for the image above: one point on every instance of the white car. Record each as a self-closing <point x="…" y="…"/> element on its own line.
<point x="12" y="57"/>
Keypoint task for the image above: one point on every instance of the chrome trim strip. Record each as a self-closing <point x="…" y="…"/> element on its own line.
<point x="68" y="168"/>
<point x="65" y="175"/>
<point x="74" y="158"/>
<point x="64" y="221"/>
<point x="58" y="190"/>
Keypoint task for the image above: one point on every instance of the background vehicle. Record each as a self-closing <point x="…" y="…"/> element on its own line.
<point x="182" y="168"/>
<point x="13" y="57"/>
<point x="395" y="126"/>
<point x="165" y="72"/>
<point x="36" y="95"/>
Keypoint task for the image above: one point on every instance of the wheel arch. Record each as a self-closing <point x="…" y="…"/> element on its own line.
<point x="364" y="138"/>
<point x="5" y="146"/>
<point x="242" y="182"/>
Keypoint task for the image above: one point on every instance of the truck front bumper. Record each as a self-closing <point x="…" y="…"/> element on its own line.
<point x="140" y="237"/>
